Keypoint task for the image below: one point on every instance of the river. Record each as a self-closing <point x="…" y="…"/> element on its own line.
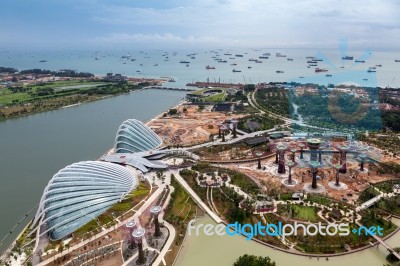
<point x="224" y="250"/>
<point x="35" y="147"/>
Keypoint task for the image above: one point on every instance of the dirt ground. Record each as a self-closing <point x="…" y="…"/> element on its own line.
<point x="190" y="127"/>
<point x="355" y="181"/>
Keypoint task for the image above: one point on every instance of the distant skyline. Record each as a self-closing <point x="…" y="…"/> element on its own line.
<point x="156" y="24"/>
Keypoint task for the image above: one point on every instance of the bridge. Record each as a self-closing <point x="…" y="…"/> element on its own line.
<point x="380" y="241"/>
<point x="168" y="88"/>
<point x="196" y="198"/>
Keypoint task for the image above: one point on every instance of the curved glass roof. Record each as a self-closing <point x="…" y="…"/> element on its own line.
<point x="134" y="136"/>
<point x="79" y="193"/>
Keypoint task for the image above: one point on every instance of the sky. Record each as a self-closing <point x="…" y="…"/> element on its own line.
<point x="158" y="24"/>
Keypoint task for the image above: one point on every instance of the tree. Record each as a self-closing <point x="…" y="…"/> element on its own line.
<point x="392" y="258"/>
<point x="249" y="87"/>
<point x="251" y="260"/>
<point x="172" y="111"/>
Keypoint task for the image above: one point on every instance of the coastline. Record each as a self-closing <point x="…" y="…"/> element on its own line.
<point x="57" y="108"/>
<point x="181" y="102"/>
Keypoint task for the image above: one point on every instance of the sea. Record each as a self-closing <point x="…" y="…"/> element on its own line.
<point x="167" y="63"/>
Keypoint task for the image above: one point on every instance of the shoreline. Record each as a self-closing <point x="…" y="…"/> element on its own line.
<point x="181" y="102"/>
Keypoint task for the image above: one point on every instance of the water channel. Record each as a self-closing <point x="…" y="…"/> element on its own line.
<point x="224" y="250"/>
<point x="34" y="148"/>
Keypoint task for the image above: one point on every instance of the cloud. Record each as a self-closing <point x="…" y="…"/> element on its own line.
<point x="254" y="23"/>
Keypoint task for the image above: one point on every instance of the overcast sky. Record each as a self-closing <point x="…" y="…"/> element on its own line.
<point x="160" y="24"/>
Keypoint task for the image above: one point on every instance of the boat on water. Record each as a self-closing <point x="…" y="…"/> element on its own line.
<point x="252" y="59"/>
<point x="171" y="80"/>
<point x="184" y="62"/>
<point x="365" y="79"/>
<point x="236" y="70"/>
<point x="263" y="57"/>
<point x="378" y="65"/>
<point x="210" y="67"/>
<point x="328" y="75"/>
<point x="359" y="61"/>
<point x="133" y="59"/>
<point x="313" y="65"/>
<point x="280" y="71"/>
<point x="187" y="65"/>
<point x="258" y="61"/>
<point x="397" y="60"/>
<point x="222" y="61"/>
<point x="318" y="59"/>
<point x="280" y="55"/>
<point x="301" y="77"/>
<point x="371" y="70"/>
<point x="97" y="58"/>
<point x="290" y="59"/>
<point x="266" y="54"/>
<point x="312" y="62"/>
<point x="233" y="64"/>
<point x="347" y="57"/>
<point x="249" y="67"/>
<point x="42" y="61"/>
<point x="155" y="65"/>
<point x="232" y="57"/>
<point x="318" y="69"/>
<point x="227" y="54"/>
<point x="238" y="55"/>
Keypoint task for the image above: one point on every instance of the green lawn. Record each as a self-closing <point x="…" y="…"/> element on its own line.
<point x="298" y="212"/>
<point x="215" y="98"/>
<point x="304" y="213"/>
<point x="7" y="97"/>
<point x="180" y="206"/>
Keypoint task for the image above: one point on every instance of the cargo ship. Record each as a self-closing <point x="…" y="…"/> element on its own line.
<point x="347" y="57"/>
<point x="321" y="70"/>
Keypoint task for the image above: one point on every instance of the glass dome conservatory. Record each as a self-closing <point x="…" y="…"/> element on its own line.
<point x="79" y="193"/>
<point x="134" y="136"/>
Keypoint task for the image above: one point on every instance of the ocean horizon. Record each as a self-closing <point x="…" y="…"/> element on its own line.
<point x="166" y="63"/>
